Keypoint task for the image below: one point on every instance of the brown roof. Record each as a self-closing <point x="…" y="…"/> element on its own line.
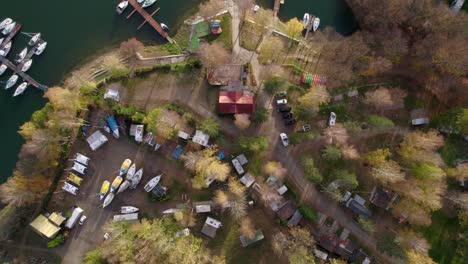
<point x="286" y="211"/>
<point x="236" y="102"/>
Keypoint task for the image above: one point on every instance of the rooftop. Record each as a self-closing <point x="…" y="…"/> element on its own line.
<point x="245" y="241"/>
<point x="286" y="211"/>
<point x="44" y="227"/>
<point x="201" y="138"/>
<point x="236" y="102"/>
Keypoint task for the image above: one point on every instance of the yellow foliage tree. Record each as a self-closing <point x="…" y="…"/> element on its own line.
<point x="294" y="28"/>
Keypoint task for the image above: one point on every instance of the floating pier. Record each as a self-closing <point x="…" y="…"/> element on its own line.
<point x="17" y="68"/>
<point x="148" y="19"/>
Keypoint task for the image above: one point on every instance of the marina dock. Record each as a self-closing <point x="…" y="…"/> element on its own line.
<point x="17" y="68"/>
<point x="148" y="19"/>
<point x="276" y="7"/>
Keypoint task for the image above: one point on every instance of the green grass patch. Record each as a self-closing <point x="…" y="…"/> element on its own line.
<point x="255" y="165"/>
<point x="379" y="122"/>
<point x="338" y="109"/>
<point x="443" y="236"/>
<point x="226" y="36"/>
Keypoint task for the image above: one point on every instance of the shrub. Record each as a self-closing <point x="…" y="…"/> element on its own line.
<point x="380" y="122"/>
<point x="210" y="126"/>
<point x="331" y="153"/>
<point x="276" y="84"/>
<point x="57" y="241"/>
<point x="312" y="173"/>
<point x="308" y="213"/>
<point x="253" y="144"/>
<point x="260" y="116"/>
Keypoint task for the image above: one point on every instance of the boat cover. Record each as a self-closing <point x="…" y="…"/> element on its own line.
<point x="78" y="167"/>
<point x="96" y="140"/>
<point x="82" y="159"/>
<point x="70" y="188"/>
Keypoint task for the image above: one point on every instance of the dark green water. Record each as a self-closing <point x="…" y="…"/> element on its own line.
<point x="332" y="13"/>
<point x="77" y="30"/>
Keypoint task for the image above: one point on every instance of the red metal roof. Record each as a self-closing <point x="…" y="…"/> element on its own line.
<point x="236" y="102"/>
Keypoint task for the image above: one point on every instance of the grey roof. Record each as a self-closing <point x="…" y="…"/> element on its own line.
<point x="419" y="117"/>
<point x="295" y="219"/>
<point x="245" y="241"/>
<point x="209" y="230"/>
<point x="242" y="159"/>
<point x="286" y="211"/>
<point x="358" y="208"/>
<point x="380" y="197"/>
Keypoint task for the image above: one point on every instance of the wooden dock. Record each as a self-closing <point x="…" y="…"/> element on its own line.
<point x="148" y="19"/>
<point x="17" y="68"/>
<point x="276" y="7"/>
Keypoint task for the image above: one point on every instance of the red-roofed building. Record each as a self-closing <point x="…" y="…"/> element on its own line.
<point x="236" y="102"/>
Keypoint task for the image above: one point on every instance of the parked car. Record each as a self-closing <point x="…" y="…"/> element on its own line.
<point x="82" y="219"/>
<point x="287" y="115"/>
<point x="281" y="102"/>
<point x="306" y="128"/>
<point x="284" y="139"/>
<point x="332" y="119"/>
<point x="290" y="122"/>
<point x="284" y="109"/>
<point x="281" y="94"/>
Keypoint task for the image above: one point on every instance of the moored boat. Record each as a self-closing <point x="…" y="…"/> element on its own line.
<point x="6" y="49"/>
<point x="148" y="3"/>
<point x="1" y="41"/>
<point x="124" y="186"/>
<point x="140" y="1"/>
<point x="34" y="39"/>
<point x="5" y="22"/>
<point x="125" y="165"/>
<point x="12" y="81"/>
<point x="41" y="48"/>
<point x="152" y="183"/>
<point x="20" y="89"/>
<point x="8" y="29"/>
<point x="20" y="57"/>
<point x="131" y="172"/>
<point x="164" y="27"/>
<point x="26" y="65"/>
<point x="306" y="19"/>
<point x="316" y="24"/>
<point x="137" y="178"/>
<point x="104" y="189"/>
<point x="128" y="209"/>
<point x="108" y="200"/>
<point x="121" y="7"/>
<point x="3" y="68"/>
<point x="116" y="183"/>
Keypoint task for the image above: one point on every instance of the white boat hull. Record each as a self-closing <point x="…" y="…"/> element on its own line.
<point x="152" y="183"/>
<point x="124" y="186"/>
<point x="121" y="7"/>
<point x="41" y="48"/>
<point x="34" y="39"/>
<point x="131" y="172"/>
<point x="128" y="209"/>
<point x="11" y="82"/>
<point x="6" y="49"/>
<point x="306" y="19"/>
<point x="5" y="23"/>
<point x="20" y="89"/>
<point x="316" y="23"/>
<point x="108" y="200"/>
<point x="8" y="29"/>
<point x="3" y="68"/>
<point x="148" y="3"/>
<point x="137" y="178"/>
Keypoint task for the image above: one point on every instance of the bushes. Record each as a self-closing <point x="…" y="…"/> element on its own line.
<point x="57" y="241"/>
<point x="380" y="122"/>
<point x="308" y="213"/>
<point x="311" y="172"/>
<point x="331" y="153"/>
<point x="275" y="85"/>
<point x="260" y="116"/>
<point x="253" y="144"/>
<point x="210" y="126"/>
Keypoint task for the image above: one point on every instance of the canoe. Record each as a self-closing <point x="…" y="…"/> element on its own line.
<point x="116" y="183"/>
<point x="104" y="189"/>
<point x="124" y="186"/>
<point x="108" y="200"/>
<point x="125" y="165"/>
<point x="131" y="172"/>
<point x="128" y="209"/>
<point x="137" y="178"/>
<point x="152" y="183"/>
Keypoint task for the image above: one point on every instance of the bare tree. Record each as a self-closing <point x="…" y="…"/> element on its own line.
<point x="411" y="240"/>
<point x="21" y="191"/>
<point x="129" y="50"/>
<point x="213" y="54"/>
<point x="242" y="121"/>
<point x="247" y="228"/>
<point x="274" y="168"/>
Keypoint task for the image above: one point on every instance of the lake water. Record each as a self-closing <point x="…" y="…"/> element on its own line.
<point x="77" y="30"/>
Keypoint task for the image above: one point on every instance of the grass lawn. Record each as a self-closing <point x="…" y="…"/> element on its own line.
<point x="442" y="236"/>
<point x="226" y="36"/>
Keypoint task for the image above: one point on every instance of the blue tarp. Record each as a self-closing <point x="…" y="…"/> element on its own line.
<point x="221" y="155"/>
<point x="178" y="150"/>
<point x="112" y="123"/>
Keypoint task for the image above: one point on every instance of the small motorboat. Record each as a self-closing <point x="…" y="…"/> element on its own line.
<point x="26" y="65"/>
<point x="5" y="22"/>
<point x="116" y="183"/>
<point x="20" y="89"/>
<point x="8" y="29"/>
<point x="164" y="27"/>
<point x="12" y="81"/>
<point x="108" y="200"/>
<point x="137" y="178"/>
<point x="131" y="171"/>
<point x="124" y="186"/>
<point x="316" y="24"/>
<point x="128" y="209"/>
<point x="1" y="41"/>
<point x="148" y="3"/>
<point x="20" y="57"/>
<point x="3" y="68"/>
<point x="152" y="183"/>
<point x="125" y="165"/>
<point x="121" y="7"/>
<point x="34" y="39"/>
<point x="6" y="49"/>
<point x="104" y="189"/>
<point x="41" y="48"/>
<point x="306" y="19"/>
<point x="139" y="133"/>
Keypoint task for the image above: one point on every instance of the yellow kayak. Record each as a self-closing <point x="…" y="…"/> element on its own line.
<point x="116" y="183"/>
<point x="74" y="178"/>
<point x="125" y="165"/>
<point x="104" y="189"/>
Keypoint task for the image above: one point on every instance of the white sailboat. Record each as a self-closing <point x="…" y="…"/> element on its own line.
<point x="121" y="7"/>
<point x="131" y="172"/>
<point x="26" y="65"/>
<point x="108" y="200"/>
<point x="6" y="49"/>
<point x="316" y="24"/>
<point x="124" y="186"/>
<point x="5" y="22"/>
<point x="20" y="57"/>
<point x="128" y="209"/>
<point x="34" y="39"/>
<point x="164" y="27"/>
<point x="1" y="41"/>
<point x="137" y="178"/>
<point x="20" y="89"/>
<point x="148" y="3"/>
<point x="12" y="81"/>
<point x="306" y="19"/>
<point x="8" y="29"/>
<point x="3" y="68"/>
<point x="140" y="1"/>
<point x="41" y="48"/>
<point x="152" y="183"/>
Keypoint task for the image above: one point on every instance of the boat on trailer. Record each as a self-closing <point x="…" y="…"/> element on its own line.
<point x="104" y="189"/>
<point x="137" y="178"/>
<point x="128" y="209"/>
<point x="108" y="200"/>
<point x="124" y="186"/>
<point x="152" y="183"/>
<point x="20" y="89"/>
<point x="116" y="183"/>
<point x="125" y="165"/>
<point x="131" y="172"/>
